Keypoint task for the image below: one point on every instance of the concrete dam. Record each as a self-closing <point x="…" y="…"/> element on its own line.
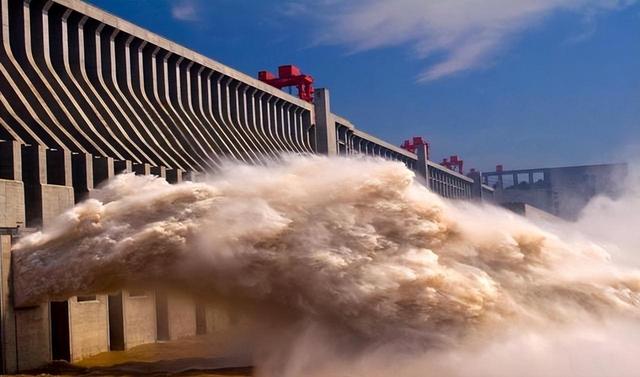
<point x="85" y="95"/>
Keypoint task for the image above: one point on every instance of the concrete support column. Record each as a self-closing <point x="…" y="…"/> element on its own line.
<point x="7" y="322"/>
<point x="88" y="326"/>
<point x="25" y="331"/>
<point x="181" y="316"/>
<point x="423" y="164"/>
<point x="32" y="336"/>
<point x="476" y="187"/>
<point x="325" y="124"/>
<point x="103" y="170"/>
<point x="82" y="175"/>
<point x="217" y="318"/>
<point x="139" y="318"/>
<point x="174" y="175"/>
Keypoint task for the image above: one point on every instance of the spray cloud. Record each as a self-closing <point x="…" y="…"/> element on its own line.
<point x="358" y="255"/>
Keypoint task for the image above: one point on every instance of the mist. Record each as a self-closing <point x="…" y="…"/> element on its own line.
<point x="351" y="267"/>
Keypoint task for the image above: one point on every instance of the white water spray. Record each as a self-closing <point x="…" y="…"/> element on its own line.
<point x="414" y="284"/>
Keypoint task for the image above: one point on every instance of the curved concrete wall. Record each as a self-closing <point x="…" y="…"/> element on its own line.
<point x="76" y="78"/>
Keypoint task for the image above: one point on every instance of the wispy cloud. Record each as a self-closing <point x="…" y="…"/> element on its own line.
<point x="293" y="9"/>
<point x="185" y="10"/>
<point x="459" y="35"/>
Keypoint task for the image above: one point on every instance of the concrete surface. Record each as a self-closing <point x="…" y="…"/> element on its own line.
<point x="217" y="319"/>
<point x="7" y="325"/>
<point x="33" y="337"/>
<point x="139" y="318"/>
<point x="11" y="203"/>
<point x="89" y="327"/>
<point x="55" y="200"/>
<point x="181" y="315"/>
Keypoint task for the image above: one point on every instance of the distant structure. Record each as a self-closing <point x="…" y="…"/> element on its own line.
<point x="562" y="191"/>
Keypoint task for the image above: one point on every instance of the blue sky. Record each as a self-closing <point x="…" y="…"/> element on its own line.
<point x="524" y="83"/>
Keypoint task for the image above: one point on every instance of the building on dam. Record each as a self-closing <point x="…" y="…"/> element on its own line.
<point x="561" y="191"/>
<point x="85" y="95"/>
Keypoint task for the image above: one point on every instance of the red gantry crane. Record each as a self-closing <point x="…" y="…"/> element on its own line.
<point x="412" y="145"/>
<point x="288" y="76"/>
<point x="453" y="163"/>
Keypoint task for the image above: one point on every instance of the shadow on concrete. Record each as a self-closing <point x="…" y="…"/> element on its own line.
<point x="177" y="367"/>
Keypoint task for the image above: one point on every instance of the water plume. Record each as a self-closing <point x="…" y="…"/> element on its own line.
<point x="354" y="251"/>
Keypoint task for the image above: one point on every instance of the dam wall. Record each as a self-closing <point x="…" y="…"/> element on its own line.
<point x="76" y="80"/>
<point x="85" y="95"/>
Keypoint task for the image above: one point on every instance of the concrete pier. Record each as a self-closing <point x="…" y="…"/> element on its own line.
<point x="88" y="326"/>
<point x="139" y="310"/>
<point x="8" y="357"/>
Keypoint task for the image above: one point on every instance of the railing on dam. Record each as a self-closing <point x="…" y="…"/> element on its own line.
<point x="351" y="141"/>
<point x="448" y="183"/>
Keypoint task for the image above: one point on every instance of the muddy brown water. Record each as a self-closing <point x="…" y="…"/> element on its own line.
<point x="196" y="356"/>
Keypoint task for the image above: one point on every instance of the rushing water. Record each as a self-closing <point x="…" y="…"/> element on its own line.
<point x="352" y="268"/>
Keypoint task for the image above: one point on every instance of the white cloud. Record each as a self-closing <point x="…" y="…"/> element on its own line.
<point x="294" y="9"/>
<point x="185" y="10"/>
<point x="458" y="34"/>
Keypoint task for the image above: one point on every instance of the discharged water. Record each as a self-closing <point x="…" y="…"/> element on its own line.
<point x="350" y="267"/>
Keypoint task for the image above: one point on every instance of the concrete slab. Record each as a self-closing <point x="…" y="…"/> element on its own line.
<point x="7" y="324"/>
<point x="181" y="315"/>
<point x="11" y="203"/>
<point x="88" y="325"/>
<point x="55" y="200"/>
<point x="217" y="319"/>
<point x="139" y="318"/>
<point x="33" y="337"/>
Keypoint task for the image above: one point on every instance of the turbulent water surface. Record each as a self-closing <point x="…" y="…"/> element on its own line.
<point x="362" y="270"/>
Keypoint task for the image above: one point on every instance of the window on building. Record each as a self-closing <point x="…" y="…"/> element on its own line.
<point x="137" y="293"/>
<point x="86" y="298"/>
